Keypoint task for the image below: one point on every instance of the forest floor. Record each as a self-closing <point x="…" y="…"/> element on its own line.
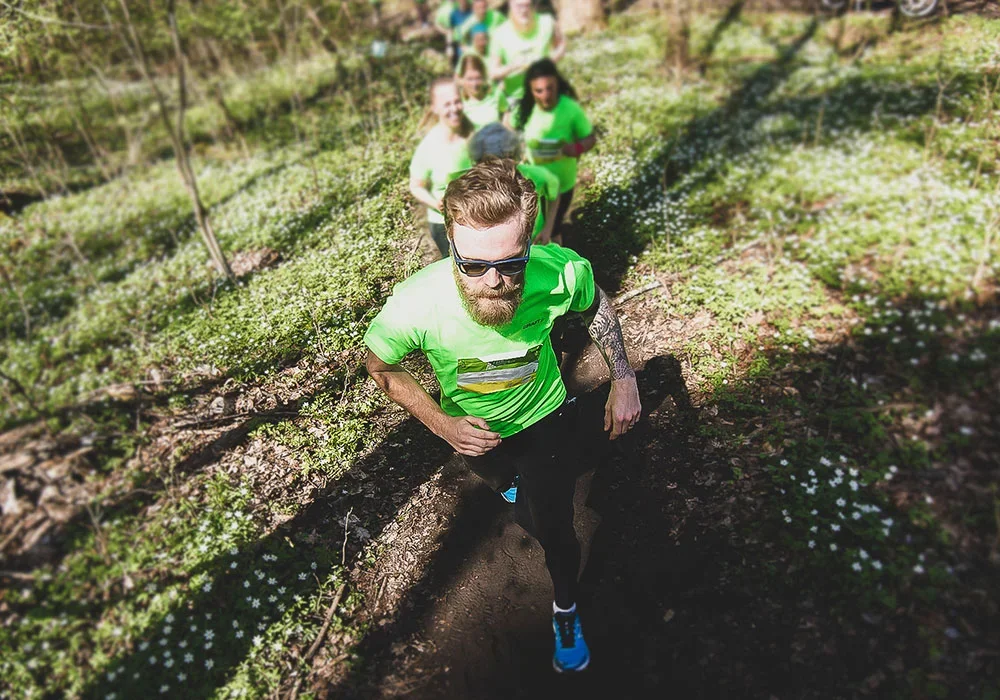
<point x="203" y="495"/>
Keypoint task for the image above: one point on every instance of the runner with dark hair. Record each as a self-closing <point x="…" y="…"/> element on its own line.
<point x="483" y="319"/>
<point x="556" y="130"/>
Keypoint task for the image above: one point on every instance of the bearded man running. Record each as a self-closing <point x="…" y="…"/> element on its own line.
<point x="483" y="320"/>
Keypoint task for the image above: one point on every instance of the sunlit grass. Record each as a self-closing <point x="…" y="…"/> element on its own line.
<point x="814" y="216"/>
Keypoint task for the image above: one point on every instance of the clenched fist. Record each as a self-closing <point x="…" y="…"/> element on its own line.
<point x="469" y="435"/>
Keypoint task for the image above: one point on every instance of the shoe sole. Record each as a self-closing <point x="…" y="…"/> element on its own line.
<point x="560" y="669"/>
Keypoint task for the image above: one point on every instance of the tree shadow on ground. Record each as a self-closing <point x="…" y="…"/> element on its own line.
<point x="700" y="150"/>
<point x="755" y="633"/>
<point x="732" y="15"/>
<point x="694" y="584"/>
<point x="238" y="597"/>
<point x="146" y="490"/>
<point x="699" y="586"/>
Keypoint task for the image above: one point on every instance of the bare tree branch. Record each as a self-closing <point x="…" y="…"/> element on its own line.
<point x="59" y="22"/>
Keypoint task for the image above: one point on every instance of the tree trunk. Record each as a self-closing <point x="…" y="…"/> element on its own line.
<point x="138" y="53"/>
<point x="678" y="37"/>
<point x="580" y="15"/>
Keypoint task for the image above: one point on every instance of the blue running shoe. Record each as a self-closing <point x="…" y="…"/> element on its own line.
<point x="571" y="652"/>
<point x="510" y="495"/>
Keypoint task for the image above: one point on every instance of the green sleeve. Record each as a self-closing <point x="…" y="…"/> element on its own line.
<point x="443" y="15"/>
<point x="550" y="189"/>
<point x="582" y="128"/>
<point x="392" y="335"/>
<point x="584" y="289"/>
<point x="464" y="29"/>
<point x="501" y="97"/>
<point x="495" y="49"/>
<point x="578" y="276"/>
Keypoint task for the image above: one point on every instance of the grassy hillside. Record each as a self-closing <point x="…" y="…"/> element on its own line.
<point x="820" y="206"/>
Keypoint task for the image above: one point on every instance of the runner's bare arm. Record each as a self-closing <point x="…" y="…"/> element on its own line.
<point x="575" y="149"/>
<point x="623" y="408"/>
<point x="499" y="71"/>
<point x="545" y="235"/>
<point x="558" y="49"/>
<point x="420" y="189"/>
<point x="467" y="434"/>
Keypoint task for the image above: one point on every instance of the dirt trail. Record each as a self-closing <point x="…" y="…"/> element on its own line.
<point x="476" y="623"/>
<point x="459" y="598"/>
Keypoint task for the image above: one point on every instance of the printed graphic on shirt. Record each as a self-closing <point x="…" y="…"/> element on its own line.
<point x="486" y="375"/>
<point x="545" y="150"/>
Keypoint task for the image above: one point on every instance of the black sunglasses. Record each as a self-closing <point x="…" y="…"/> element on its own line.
<point x="478" y="268"/>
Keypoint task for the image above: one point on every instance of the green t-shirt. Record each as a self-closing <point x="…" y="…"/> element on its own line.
<point x="512" y="47"/>
<point x="487" y="110"/>
<point x="442" y="17"/>
<point x="547" y="187"/>
<point x="507" y="376"/>
<point x="435" y="164"/>
<point x="548" y="131"/>
<point x="494" y="18"/>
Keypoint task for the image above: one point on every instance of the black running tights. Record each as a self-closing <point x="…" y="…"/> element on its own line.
<point x="544" y="457"/>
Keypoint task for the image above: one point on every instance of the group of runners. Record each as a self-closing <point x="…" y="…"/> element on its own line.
<point x="496" y="172"/>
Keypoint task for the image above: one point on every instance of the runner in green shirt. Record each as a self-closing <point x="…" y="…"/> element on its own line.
<point x="556" y="130"/>
<point x="482" y="319"/>
<point x="481" y="15"/>
<point x="448" y="20"/>
<point x="524" y="38"/>
<point x="497" y="141"/>
<point x="443" y="151"/>
<point x="482" y="104"/>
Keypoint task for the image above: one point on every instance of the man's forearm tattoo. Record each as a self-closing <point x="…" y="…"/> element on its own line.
<point x="606" y="332"/>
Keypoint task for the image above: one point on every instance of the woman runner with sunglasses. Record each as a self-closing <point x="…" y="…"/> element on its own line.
<point x="441" y="153"/>
<point x="483" y="320"/>
<point x="556" y="131"/>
